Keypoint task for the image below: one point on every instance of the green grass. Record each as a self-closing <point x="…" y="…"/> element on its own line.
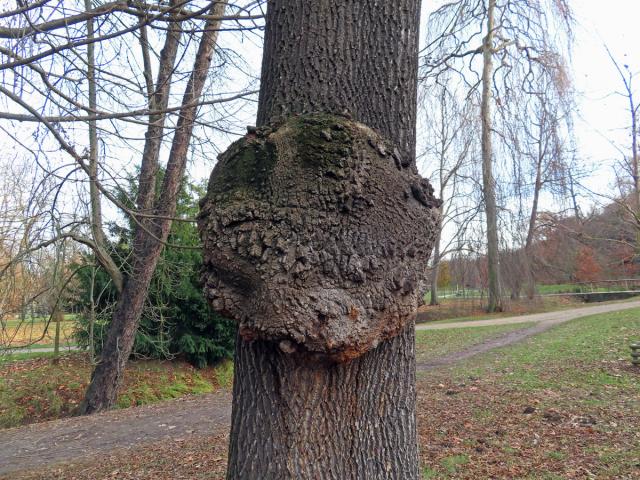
<point x="34" y="389"/>
<point x="570" y="288"/>
<point x="453" y="463"/>
<point x="431" y="344"/>
<point x="541" y="289"/>
<point x="15" y="357"/>
<point x="224" y="374"/>
<point x="578" y="345"/>
<point x="555" y="455"/>
<point x="563" y="399"/>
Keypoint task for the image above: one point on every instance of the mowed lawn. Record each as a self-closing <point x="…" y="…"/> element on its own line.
<point x="38" y="332"/>
<point x="562" y="405"/>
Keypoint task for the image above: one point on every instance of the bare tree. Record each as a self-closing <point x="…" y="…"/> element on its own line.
<point x="450" y="136"/>
<point x="83" y="76"/>
<point x="627" y="76"/>
<point x="510" y="45"/>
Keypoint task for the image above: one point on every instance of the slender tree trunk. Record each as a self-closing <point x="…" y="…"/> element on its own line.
<point x="634" y="150"/>
<point x="294" y="419"/>
<point x="488" y="186"/>
<point x="435" y="271"/>
<point x="57" y="316"/>
<point x="528" y="246"/>
<point x="574" y="197"/>
<point x="149" y="241"/>
<point x="97" y="232"/>
<point x="635" y="161"/>
<point x="92" y="314"/>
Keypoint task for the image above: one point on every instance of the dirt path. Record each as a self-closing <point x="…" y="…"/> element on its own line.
<point x="26" y="448"/>
<point x="554" y="317"/>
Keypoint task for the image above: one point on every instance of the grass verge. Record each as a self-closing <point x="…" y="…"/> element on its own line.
<point x="431" y="344"/>
<point x="35" y="389"/>
<point x="564" y="404"/>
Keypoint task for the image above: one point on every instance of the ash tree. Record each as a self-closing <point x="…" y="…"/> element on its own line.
<point x="317" y="230"/>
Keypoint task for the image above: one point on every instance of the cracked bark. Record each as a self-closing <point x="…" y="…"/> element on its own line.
<point x="296" y="415"/>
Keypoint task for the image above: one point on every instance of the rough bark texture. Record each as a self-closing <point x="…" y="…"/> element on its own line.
<point x="338" y="96"/>
<point x="317" y="237"/>
<point x="344" y="421"/>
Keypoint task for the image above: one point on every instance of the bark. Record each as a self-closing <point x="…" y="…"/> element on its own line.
<point x="158" y="102"/>
<point x="537" y="188"/>
<point x="353" y="420"/>
<point x="488" y="184"/>
<point x="297" y="415"/>
<point x="92" y="314"/>
<point x="151" y="236"/>
<point x="634" y="149"/>
<point x="57" y="316"/>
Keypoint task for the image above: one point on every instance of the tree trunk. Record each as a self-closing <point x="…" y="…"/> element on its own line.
<point x="297" y="419"/>
<point x="528" y="247"/>
<point x="435" y="271"/>
<point x="97" y="232"/>
<point x="151" y="234"/>
<point x="58" y="316"/>
<point x="92" y="314"/>
<point x="488" y="187"/>
<point x="344" y="421"/>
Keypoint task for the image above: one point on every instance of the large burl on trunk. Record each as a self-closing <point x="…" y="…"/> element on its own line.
<point x="316" y="234"/>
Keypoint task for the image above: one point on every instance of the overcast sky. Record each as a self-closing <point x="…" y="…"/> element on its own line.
<point x="603" y="115"/>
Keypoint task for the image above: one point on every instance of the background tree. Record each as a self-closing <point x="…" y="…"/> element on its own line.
<point x="176" y="319"/>
<point x="449" y="138"/>
<point x="108" y="85"/>
<point x="510" y="45"/>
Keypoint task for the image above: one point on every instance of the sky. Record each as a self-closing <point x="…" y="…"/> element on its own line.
<point x="603" y="115"/>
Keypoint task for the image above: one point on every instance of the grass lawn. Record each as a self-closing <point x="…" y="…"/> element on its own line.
<point x="459" y="310"/>
<point x="17" y="333"/>
<point x="562" y="405"/>
<point x="431" y="344"/>
<point x="34" y="389"/>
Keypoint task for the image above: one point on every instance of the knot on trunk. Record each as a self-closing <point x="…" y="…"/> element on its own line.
<point x="316" y="236"/>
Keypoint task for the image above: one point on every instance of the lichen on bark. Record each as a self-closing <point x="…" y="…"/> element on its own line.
<point x="316" y="236"/>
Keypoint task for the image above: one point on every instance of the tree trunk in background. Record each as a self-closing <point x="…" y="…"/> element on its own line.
<point x="435" y="271"/>
<point x="57" y="316"/>
<point x="533" y="218"/>
<point x="149" y="241"/>
<point x="488" y="187"/>
<point x="356" y="420"/>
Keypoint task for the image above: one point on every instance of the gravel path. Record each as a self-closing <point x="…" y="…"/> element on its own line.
<point x="71" y="439"/>
<point x="554" y="318"/>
